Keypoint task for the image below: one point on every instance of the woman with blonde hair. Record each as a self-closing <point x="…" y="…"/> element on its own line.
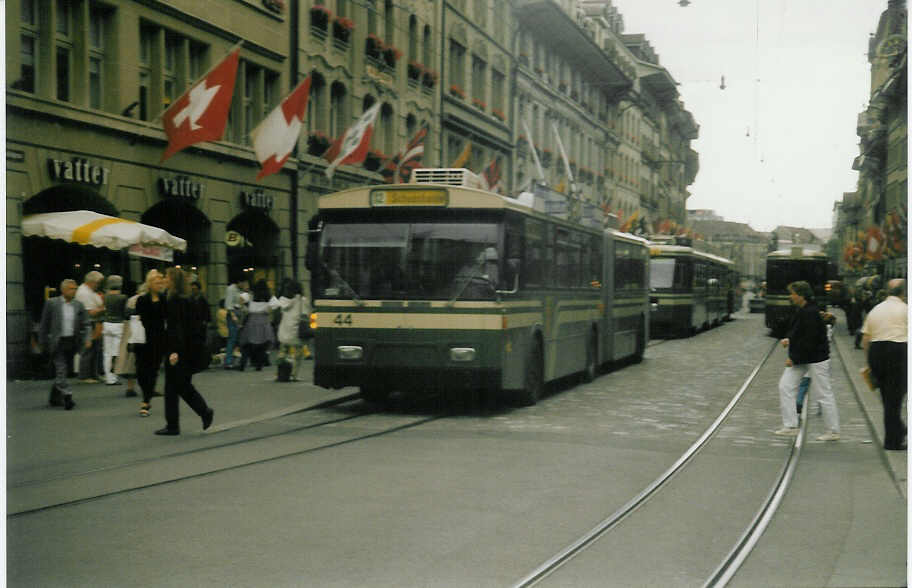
<point x="182" y="354"/>
<point x="151" y="310"/>
<point x="132" y="331"/>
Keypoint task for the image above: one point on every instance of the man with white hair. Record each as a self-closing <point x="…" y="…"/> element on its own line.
<point x="885" y="339"/>
<point x="94" y="305"/>
<point x="64" y="330"/>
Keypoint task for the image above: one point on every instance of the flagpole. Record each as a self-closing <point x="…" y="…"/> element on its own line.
<point x="234" y="47"/>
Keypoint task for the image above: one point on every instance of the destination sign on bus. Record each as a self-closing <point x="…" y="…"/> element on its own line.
<point x="408" y="198"/>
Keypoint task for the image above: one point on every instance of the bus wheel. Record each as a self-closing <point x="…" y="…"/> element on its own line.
<point x="591" y="369"/>
<point x="374" y="393"/>
<point x="640" y="342"/>
<point x="534" y="377"/>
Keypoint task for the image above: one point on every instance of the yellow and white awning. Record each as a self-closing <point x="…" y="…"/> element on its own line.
<point x="99" y="230"/>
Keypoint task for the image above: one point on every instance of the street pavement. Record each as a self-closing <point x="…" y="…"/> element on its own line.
<point x="471" y="500"/>
<point x="105" y="429"/>
<point x="853" y="359"/>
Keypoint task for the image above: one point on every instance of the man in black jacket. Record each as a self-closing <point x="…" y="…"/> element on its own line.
<point x="808" y="355"/>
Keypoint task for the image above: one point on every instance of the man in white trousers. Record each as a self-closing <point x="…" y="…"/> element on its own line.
<point x="808" y="355"/>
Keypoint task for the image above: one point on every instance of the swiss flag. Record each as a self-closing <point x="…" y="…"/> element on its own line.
<point x="491" y="174"/>
<point x="353" y="145"/>
<point x="275" y="137"/>
<point x="201" y="113"/>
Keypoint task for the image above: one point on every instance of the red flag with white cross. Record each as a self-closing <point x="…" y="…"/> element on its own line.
<point x="276" y="136"/>
<point x="201" y="113"/>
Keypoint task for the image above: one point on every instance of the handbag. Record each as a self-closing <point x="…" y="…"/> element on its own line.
<point x="137" y="331"/>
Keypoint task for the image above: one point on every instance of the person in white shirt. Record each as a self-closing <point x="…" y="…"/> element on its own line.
<point x="885" y="339"/>
<point x="90" y="357"/>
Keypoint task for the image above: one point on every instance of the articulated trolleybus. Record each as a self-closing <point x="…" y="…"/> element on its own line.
<point x="784" y="267"/>
<point x="691" y="290"/>
<point x="436" y="285"/>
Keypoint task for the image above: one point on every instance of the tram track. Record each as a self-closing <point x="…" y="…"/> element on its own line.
<point x="37" y="496"/>
<point x="749" y="537"/>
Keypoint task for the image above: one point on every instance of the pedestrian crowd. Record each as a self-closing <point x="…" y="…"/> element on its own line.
<point x="117" y="338"/>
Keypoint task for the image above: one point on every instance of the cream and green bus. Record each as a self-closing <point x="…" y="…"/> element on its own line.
<point x="432" y="286"/>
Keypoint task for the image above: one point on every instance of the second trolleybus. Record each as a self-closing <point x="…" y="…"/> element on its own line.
<point x="690" y="290"/>
<point x="791" y="265"/>
<point x="428" y="286"/>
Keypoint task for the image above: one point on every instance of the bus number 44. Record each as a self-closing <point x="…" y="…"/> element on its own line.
<point x="343" y="320"/>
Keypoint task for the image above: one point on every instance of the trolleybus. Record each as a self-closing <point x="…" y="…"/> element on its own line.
<point x="689" y="290"/>
<point x="433" y="286"/>
<point x="784" y="267"/>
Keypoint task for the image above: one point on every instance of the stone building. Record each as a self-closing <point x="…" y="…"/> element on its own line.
<point x="872" y="223"/>
<point x="86" y="83"/>
<point x="738" y="242"/>
<point x="616" y="111"/>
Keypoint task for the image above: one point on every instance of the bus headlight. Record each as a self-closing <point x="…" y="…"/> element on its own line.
<point x="350" y="351"/>
<point x="462" y="354"/>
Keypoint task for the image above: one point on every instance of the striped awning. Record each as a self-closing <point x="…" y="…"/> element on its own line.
<point x="99" y="230"/>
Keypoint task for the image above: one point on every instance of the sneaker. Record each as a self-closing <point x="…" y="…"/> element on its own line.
<point x="829" y="437"/>
<point x="787" y="432"/>
<point x="144" y="409"/>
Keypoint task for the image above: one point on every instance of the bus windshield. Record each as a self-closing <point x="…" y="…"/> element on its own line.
<point x="408" y="261"/>
<point x="782" y="272"/>
<point x="666" y="273"/>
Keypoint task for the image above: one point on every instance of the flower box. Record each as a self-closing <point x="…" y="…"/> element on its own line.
<point x="457" y="91"/>
<point x="429" y="78"/>
<point x="373" y="160"/>
<point x="499" y="114"/>
<point x="320" y="16"/>
<point x="342" y="28"/>
<point x="391" y="55"/>
<point x="277" y="6"/>
<point x="479" y="103"/>
<point x="373" y="46"/>
<point x="317" y="143"/>
<point x="414" y="70"/>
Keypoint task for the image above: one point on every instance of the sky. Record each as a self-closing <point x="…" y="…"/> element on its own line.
<point x="776" y="145"/>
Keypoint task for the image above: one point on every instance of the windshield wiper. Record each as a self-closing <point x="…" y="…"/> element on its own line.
<point x="476" y="275"/>
<point x="345" y="285"/>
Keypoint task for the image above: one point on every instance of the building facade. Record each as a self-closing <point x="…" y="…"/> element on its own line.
<point x="871" y="227"/>
<point x="86" y="84"/>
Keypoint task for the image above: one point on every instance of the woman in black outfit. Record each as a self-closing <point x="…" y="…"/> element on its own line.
<point x="181" y="354"/>
<point x="151" y="310"/>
